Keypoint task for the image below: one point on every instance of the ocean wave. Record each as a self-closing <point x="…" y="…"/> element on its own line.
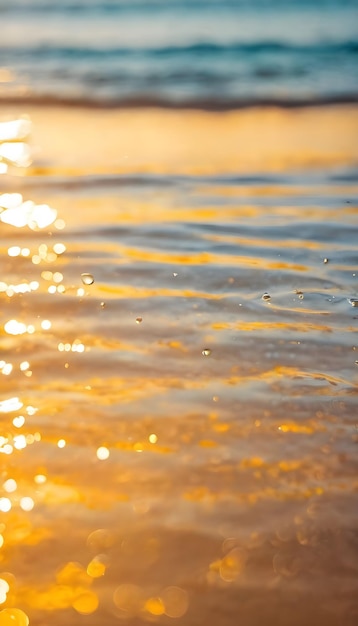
<point x="195" y="103"/>
<point x="194" y="49"/>
<point x="120" y="6"/>
<point x="219" y="60"/>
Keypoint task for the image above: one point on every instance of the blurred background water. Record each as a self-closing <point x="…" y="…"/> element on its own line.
<point x="203" y="53"/>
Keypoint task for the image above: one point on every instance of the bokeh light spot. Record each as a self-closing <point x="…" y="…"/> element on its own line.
<point x="10" y="485"/>
<point x="97" y="567"/>
<point x="13" y="617"/>
<point x="102" y="453"/>
<point x="5" y="505"/>
<point x="27" y="503"/>
<point x="154" y="606"/>
<point x="128" y="599"/>
<point x="86" y="603"/>
<point x="175" y="601"/>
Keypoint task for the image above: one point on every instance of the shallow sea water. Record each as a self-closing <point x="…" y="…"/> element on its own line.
<point x="179" y="448"/>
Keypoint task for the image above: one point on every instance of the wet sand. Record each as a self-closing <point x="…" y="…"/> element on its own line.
<point x="182" y="449"/>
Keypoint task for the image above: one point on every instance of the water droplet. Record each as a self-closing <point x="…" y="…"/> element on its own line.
<point x="87" y="279"/>
<point x="353" y="301"/>
<point x="139" y="320"/>
<point x="206" y="352"/>
<point x="325" y="260"/>
<point x="266" y="296"/>
<point x="356" y="362"/>
<point x="103" y="305"/>
<point x="175" y="274"/>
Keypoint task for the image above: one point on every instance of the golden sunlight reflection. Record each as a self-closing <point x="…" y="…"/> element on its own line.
<point x="18" y="421"/>
<point x="18" y="154"/>
<point x="16" y="212"/>
<point x="132" y="600"/>
<point x="97" y="567"/>
<point x="6" y="368"/>
<point x="178" y="432"/>
<point x="12" y="327"/>
<point x="13" y="617"/>
<point x="5" y="505"/>
<point x="11" y="289"/>
<point x="15" y="130"/>
<point x="230" y="566"/>
<point x="12" y="404"/>
<point x="4" y="588"/>
<point x="13" y="150"/>
<point x="10" y="485"/>
<point x="27" y="503"/>
<point x="102" y="453"/>
<point x="40" y="479"/>
<point x="76" y="346"/>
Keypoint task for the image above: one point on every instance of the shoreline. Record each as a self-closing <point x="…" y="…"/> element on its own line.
<point x="75" y="141"/>
<point x="198" y="104"/>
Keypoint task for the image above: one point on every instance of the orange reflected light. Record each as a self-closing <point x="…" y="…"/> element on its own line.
<point x="4" y="588"/>
<point x="13" y="617"/>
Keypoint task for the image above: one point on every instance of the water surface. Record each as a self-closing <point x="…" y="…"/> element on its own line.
<point x="179" y="436"/>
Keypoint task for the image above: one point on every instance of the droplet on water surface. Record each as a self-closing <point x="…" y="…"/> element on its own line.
<point x="325" y="260"/>
<point x="103" y="305"/>
<point x="139" y="320"/>
<point x="353" y="301"/>
<point x="266" y="296"/>
<point x="206" y="352"/>
<point x="87" y="279"/>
